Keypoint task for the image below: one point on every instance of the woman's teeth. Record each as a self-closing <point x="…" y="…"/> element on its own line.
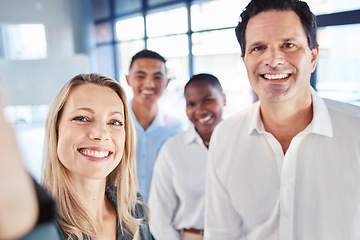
<point x="95" y="154"/>
<point x="205" y="119"/>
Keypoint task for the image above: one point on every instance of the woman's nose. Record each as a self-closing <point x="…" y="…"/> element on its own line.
<point x="99" y="131"/>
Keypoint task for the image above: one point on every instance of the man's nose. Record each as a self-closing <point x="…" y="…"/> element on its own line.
<point x="274" y="57"/>
<point x="149" y="82"/>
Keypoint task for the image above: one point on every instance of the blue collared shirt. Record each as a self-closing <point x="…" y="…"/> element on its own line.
<point x="148" y="144"/>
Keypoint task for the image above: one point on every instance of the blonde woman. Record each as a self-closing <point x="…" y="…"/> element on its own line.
<point x="89" y="162"/>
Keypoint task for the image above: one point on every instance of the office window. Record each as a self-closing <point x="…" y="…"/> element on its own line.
<point x="23" y="41"/>
<point x="152" y="3"/>
<point x="332" y="6"/>
<point x="129" y="29"/>
<point x="105" y="57"/>
<point x="124" y="6"/>
<point x="339" y="60"/>
<point x="101" y="9"/>
<point x="216" y="14"/>
<point x="167" y="22"/>
<point x="103" y="32"/>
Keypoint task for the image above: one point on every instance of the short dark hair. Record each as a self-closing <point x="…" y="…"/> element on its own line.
<point x="206" y="78"/>
<point x="145" y="53"/>
<point x="307" y="18"/>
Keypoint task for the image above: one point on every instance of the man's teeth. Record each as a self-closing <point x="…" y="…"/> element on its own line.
<point x="205" y="119"/>
<point x="276" y="76"/>
<point x="96" y="154"/>
<point x="147" y="92"/>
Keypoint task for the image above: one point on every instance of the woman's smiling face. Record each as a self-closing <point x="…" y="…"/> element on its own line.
<point x="91" y="133"/>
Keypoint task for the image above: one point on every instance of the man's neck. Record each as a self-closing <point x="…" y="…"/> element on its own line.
<point x="286" y="121"/>
<point x="144" y="114"/>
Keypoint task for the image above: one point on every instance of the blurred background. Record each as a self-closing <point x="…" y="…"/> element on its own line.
<point x="44" y="43"/>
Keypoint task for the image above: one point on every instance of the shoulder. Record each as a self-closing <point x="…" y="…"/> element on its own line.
<point x="174" y="141"/>
<point x="171" y="121"/>
<point x="343" y="109"/>
<point x="238" y="122"/>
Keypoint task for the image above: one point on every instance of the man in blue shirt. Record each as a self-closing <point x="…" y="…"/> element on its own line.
<point x="148" y="79"/>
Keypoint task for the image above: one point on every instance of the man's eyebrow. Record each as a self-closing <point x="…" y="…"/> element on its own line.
<point x="258" y="43"/>
<point x="288" y="39"/>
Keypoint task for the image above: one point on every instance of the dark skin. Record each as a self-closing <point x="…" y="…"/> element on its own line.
<point x="204" y="104"/>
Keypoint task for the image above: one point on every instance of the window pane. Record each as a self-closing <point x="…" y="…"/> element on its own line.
<point x="331" y="6"/>
<point x="224" y="61"/>
<point x="23" y="41"/>
<point x="338" y="63"/>
<point x="167" y="22"/>
<point x="170" y="46"/>
<point x="157" y="2"/>
<point x="124" y="6"/>
<point x="103" y="32"/>
<point x="176" y="52"/>
<point x="101" y="9"/>
<point x="216" y="14"/>
<point x="105" y="60"/>
<point x="215" y="42"/>
<point x="131" y="28"/>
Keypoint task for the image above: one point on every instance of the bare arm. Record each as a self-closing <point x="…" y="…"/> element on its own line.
<point x="18" y="201"/>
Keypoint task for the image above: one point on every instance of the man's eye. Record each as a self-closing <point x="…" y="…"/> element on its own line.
<point x="190" y="104"/>
<point x="257" y="49"/>
<point x="116" y="123"/>
<point x="289" y="45"/>
<point x="208" y="100"/>
<point x="80" y="118"/>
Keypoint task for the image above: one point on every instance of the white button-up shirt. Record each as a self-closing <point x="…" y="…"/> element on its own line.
<point x="255" y="191"/>
<point x="177" y="195"/>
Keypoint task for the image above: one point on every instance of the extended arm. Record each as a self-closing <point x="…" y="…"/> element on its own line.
<point x="18" y="201"/>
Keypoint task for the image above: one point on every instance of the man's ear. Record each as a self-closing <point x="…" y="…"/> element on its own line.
<point x="127" y="80"/>
<point x="224" y="99"/>
<point x="314" y="56"/>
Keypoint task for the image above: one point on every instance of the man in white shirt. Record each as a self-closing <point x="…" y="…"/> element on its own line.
<point x="288" y="167"/>
<point x="177" y="196"/>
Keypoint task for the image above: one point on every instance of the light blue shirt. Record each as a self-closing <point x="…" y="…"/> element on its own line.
<point x="148" y="144"/>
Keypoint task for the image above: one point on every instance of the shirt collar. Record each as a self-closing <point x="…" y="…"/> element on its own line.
<point x="191" y="135"/>
<point x="320" y="124"/>
<point x="158" y="121"/>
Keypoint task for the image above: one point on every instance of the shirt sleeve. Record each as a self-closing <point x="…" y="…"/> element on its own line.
<point x="163" y="200"/>
<point x="221" y="218"/>
<point x="46" y="205"/>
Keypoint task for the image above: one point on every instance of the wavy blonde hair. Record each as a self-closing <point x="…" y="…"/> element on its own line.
<point x="74" y="217"/>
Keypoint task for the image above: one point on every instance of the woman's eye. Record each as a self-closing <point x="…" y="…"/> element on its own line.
<point x="116" y="123"/>
<point x="80" y="118"/>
